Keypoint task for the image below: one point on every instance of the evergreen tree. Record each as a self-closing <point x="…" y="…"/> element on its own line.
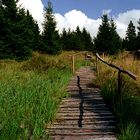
<point x="79" y="44"/>
<point x="138" y="36"/>
<point x="2" y="22"/>
<point x="70" y="40"/>
<point x="65" y="40"/>
<point x="87" y="41"/>
<point x="130" y="39"/>
<point x="50" y="35"/>
<point x="32" y="31"/>
<point x="21" y="39"/>
<point x="115" y="40"/>
<point x="107" y="39"/>
<point x="14" y="37"/>
<point x="77" y="40"/>
<point x="101" y="41"/>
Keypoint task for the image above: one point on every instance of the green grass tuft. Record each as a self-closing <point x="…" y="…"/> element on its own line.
<point x="130" y="133"/>
<point x="31" y="92"/>
<point x="127" y="110"/>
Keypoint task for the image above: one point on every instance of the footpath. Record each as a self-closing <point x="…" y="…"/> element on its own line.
<point x="84" y="115"/>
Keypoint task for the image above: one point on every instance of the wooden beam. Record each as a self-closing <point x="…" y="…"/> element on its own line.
<point x="130" y="74"/>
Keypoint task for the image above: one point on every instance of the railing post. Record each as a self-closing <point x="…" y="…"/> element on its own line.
<point x="119" y="96"/>
<point x="85" y="55"/>
<point x="73" y="64"/>
<point x="103" y="55"/>
<point x="96" y="64"/>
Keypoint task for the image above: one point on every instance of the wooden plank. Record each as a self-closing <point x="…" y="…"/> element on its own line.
<point x="84" y="122"/>
<point x="82" y="132"/>
<point x="84" y="114"/>
<point x="85" y="117"/>
<point x="84" y="127"/>
<point x="87" y="137"/>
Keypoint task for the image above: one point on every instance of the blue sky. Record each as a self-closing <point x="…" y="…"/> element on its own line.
<point x="86" y="13"/>
<point x="94" y="8"/>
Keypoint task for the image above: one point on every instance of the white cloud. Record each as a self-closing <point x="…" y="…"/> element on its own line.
<point x="121" y="28"/>
<point x="35" y="7"/>
<point x="123" y="19"/>
<point x="75" y="18"/>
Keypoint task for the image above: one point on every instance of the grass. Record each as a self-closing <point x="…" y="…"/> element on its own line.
<point x="130" y="133"/>
<point x="127" y="111"/>
<point x="30" y="94"/>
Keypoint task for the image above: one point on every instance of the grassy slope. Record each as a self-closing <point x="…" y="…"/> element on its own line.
<point x="30" y="93"/>
<point x="127" y="111"/>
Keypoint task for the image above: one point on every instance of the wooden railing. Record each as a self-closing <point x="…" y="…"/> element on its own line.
<point x="120" y="70"/>
<point x="84" y="53"/>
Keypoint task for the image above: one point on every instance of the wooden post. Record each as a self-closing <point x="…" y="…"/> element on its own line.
<point x="73" y="64"/>
<point x="103" y="55"/>
<point x="119" y="86"/>
<point x="85" y="56"/>
<point x="96" y="65"/>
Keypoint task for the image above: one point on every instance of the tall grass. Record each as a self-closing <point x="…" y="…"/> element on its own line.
<point x="30" y="94"/>
<point x="127" y="111"/>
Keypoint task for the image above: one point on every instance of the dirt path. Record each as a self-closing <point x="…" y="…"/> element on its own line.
<point x="84" y="115"/>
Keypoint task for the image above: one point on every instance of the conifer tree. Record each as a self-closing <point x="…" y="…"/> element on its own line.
<point x="14" y="32"/>
<point x="87" y="41"/>
<point x="107" y="39"/>
<point x="64" y="40"/>
<point x="2" y="44"/>
<point x="138" y="37"/>
<point x="77" y="40"/>
<point x="130" y="39"/>
<point x="101" y="41"/>
<point x="79" y="44"/>
<point x="50" y="36"/>
<point x="115" y="40"/>
<point x="32" y="32"/>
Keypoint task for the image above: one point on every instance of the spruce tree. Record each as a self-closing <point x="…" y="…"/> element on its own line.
<point x="50" y="36"/>
<point x="107" y="39"/>
<point x="14" y="30"/>
<point x="138" y="36"/>
<point x="2" y="24"/>
<point x="79" y="45"/>
<point x="8" y="29"/>
<point x="115" y="40"/>
<point x="32" y="32"/>
<point x="64" y="40"/>
<point x="101" y="41"/>
<point x="70" y="40"/>
<point x="130" y="39"/>
<point x="87" y="41"/>
<point x="77" y="40"/>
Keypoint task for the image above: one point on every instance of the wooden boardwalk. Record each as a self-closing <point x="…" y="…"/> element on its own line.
<point x="84" y="115"/>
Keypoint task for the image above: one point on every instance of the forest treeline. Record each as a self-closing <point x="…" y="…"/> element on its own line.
<point x="20" y="34"/>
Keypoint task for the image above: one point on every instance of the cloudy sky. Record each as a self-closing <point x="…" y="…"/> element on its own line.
<point x="87" y="13"/>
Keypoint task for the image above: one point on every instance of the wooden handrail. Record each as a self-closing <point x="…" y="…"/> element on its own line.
<point x="73" y="59"/>
<point x="118" y="68"/>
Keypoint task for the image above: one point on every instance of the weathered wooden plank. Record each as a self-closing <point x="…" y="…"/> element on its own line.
<point x="84" y="114"/>
<point x="82" y="132"/>
<point x="87" y="137"/>
<point x="84" y="122"/>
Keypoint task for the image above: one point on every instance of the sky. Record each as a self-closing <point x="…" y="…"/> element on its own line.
<point x="93" y="8"/>
<point x="86" y="13"/>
